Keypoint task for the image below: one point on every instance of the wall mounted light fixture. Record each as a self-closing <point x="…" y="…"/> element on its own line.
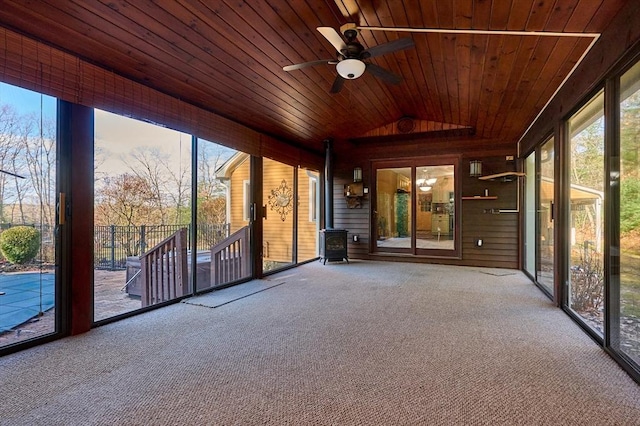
<point x="357" y="174"/>
<point x="475" y="168"/>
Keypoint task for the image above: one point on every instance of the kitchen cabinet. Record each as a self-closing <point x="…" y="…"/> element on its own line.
<point x="440" y="223"/>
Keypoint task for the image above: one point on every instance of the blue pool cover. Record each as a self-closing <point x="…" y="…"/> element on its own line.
<point x="25" y="296"/>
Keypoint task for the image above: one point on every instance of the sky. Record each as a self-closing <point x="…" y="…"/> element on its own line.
<point x="25" y="101"/>
<point x="115" y="136"/>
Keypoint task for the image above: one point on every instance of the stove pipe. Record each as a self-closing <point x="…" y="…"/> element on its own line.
<point x="328" y="184"/>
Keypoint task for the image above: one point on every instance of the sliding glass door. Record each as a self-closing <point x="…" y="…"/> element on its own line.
<point x="280" y="200"/>
<point x="142" y="215"/>
<point x="625" y="280"/>
<point x="585" y="292"/>
<point x="545" y="216"/>
<point x="415" y="207"/>
<point x="29" y="295"/>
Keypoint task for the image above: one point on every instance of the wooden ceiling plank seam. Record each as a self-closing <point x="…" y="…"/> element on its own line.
<point x="277" y="91"/>
<point x="373" y="38"/>
<point x="500" y="12"/>
<point x="162" y="76"/>
<point x="347" y="96"/>
<point x="560" y="15"/>
<point x="488" y="78"/>
<point x="363" y="98"/>
<point x="451" y="67"/>
<point x="445" y="84"/>
<point x="268" y="95"/>
<point x="123" y="26"/>
<point x="604" y="16"/>
<point x="429" y="73"/>
<point x="481" y="15"/>
<point x="321" y="45"/>
<point x="567" y="52"/>
<point x="503" y="64"/>
<point x="463" y="58"/>
<point x="462" y="51"/>
<point x="445" y="15"/>
<point x="384" y="108"/>
<point x="406" y="103"/>
<point x="539" y="15"/>
<point x="519" y="15"/>
<point x="520" y="50"/>
<point x="116" y="81"/>
<point x="479" y="45"/>
<point x="419" y="56"/>
<point x="581" y="16"/>
<point x="438" y="76"/>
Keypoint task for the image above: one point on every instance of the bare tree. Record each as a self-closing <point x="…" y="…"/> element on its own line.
<point x="127" y="200"/>
<point x="147" y="165"/>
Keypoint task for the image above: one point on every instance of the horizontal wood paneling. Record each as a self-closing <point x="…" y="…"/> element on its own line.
<point x="499" y="232"/>
<point x="355" y="221"/>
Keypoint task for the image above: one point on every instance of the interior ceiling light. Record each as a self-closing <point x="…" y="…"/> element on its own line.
<point x="425" y="188"/>
<point x="350" y="68"/>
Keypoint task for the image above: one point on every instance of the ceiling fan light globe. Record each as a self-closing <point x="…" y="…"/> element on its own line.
<point x="350" y="68"/>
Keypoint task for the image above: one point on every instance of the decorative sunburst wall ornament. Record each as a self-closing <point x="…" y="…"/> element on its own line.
<point x="280" y="200"/>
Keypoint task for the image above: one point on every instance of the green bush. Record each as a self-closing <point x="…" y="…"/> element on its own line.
<point x="20" y="244"/>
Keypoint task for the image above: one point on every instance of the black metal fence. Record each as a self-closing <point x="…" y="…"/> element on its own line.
<point x="113" y="244"/>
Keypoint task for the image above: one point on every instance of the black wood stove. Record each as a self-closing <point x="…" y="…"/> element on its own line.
<point x="333" y="245"/>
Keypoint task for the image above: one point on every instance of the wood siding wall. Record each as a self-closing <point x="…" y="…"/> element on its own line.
<point x="278" y="234"/>
<point x="481" y="220"/>
<point x="236" y="188"/>
<point x="499" y="232"/>
<point x="307" y="228"/>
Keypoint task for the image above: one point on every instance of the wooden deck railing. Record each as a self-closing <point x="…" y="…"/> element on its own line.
<point x="164" y="270"/>
<point x="230" y="258"/>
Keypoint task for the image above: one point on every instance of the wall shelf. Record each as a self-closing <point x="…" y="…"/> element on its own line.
<point x="481" y="197"/>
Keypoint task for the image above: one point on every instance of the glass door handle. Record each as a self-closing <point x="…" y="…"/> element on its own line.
<point x="62" y="203"/>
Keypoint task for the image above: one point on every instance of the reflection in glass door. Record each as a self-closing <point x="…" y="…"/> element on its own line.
<point x="281" y="204"/>
<point x="545" y="216"/>
<point x="585" y="295"/>
<point x="530" y="215"/>
<point x="393" y="208"/>
<point x="142" y="214"/>
<point x="625" y="328"/>
<point x="415" y="208"/>
<point x="435" y="212"/>
<point x="222" y="252"/>
<point x="27" y="215"/>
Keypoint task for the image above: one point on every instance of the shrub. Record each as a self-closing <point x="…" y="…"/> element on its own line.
<point x="20" y="244"/>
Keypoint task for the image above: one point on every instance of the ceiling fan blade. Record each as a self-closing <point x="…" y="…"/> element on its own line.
<point x="389" y="47"/>
<point x="383" y="74"/>
<point x="333" y="37"/>
<point x="337" y="84"/>
<point x="12" y="174"/>
<point x="309" y="64"/>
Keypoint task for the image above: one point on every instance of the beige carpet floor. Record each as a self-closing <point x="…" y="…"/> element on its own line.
<point x="364" y="343"/>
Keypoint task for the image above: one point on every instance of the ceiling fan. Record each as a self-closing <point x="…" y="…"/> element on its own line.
<point x="350" y="62"/>
<point x="12" y="174"/>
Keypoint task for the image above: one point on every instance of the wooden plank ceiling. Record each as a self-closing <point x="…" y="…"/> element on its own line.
<point x="227" y="57"/>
